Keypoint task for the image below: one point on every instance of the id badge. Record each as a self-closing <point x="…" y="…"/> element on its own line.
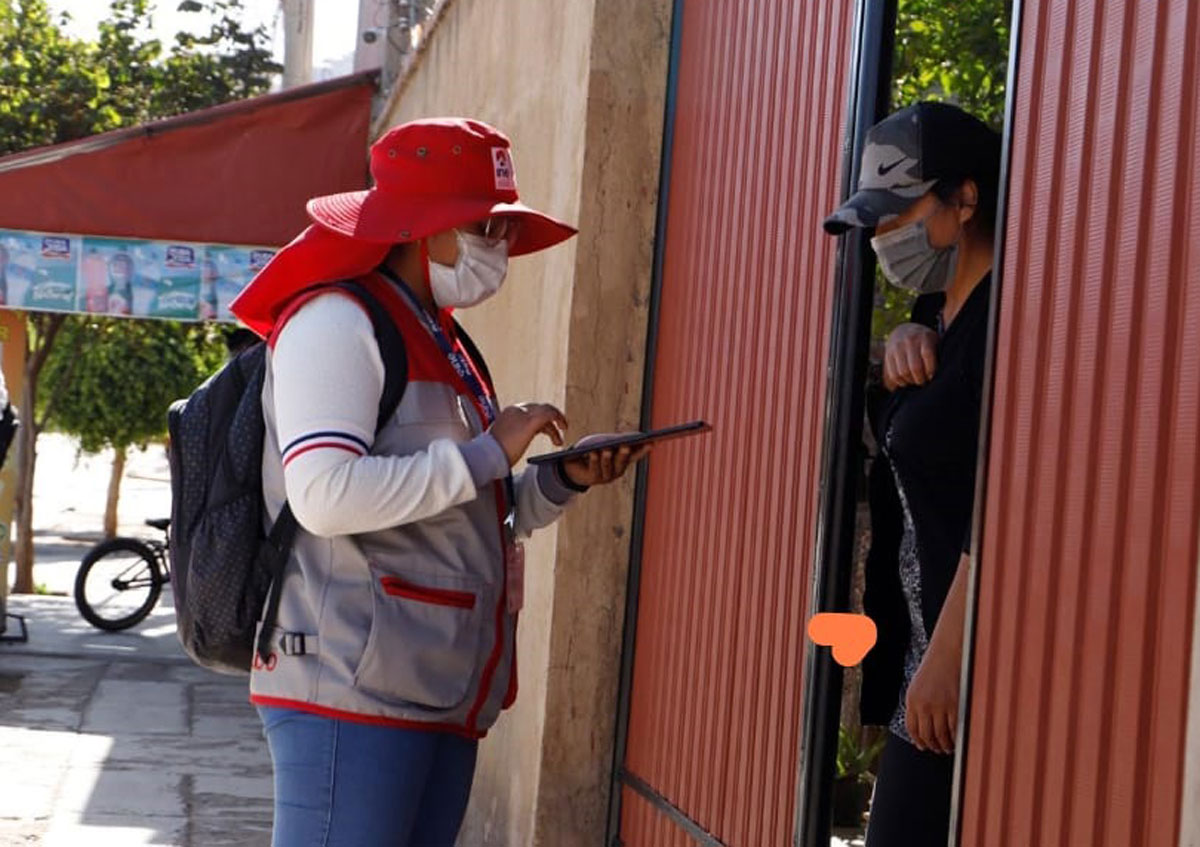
<point x="515" y="587"/>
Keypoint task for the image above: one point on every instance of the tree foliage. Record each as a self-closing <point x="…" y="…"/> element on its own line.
<point x="954" y="52"/>
<point x="126" y="373"/>
<point x="55" y="88"/>
<point x="58" y="89"/>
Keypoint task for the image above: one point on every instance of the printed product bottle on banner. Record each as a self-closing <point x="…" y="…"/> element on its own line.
<point x="95" y="283"/>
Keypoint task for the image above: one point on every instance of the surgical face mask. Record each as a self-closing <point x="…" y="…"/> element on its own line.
<point x="910" y="261"/>
<point x="476" y="276"/>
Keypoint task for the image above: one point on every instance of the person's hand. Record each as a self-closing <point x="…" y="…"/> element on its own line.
<point x="602" y="466"/>
<point x="932" y="701"/>
<point x="910" y="357"/>
<point x="517" y="426"/>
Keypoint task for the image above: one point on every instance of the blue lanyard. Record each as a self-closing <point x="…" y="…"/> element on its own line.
<point x="457" y="359"/>
<point x="463" y="368"/>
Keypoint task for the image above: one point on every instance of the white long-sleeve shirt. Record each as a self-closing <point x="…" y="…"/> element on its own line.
<point x="328" y="378"/>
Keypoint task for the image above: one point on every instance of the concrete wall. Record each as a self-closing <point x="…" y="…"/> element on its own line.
<point x="578" y="86"/>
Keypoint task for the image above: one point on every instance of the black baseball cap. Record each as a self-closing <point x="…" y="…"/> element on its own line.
<point x="909" y="152"/>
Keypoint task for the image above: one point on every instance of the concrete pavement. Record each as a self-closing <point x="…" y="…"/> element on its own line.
<point x="117" y="739"/>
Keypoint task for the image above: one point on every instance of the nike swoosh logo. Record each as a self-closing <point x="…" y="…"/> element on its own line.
<point x="885" y="169"/>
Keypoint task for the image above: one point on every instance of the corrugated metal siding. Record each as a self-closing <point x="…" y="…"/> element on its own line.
<point x="651" y="826"/>
<point x="743" y="342"/>
<point x="1089" y="556"/>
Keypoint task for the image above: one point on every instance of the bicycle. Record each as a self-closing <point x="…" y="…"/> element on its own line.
<point x="120" y="580"/>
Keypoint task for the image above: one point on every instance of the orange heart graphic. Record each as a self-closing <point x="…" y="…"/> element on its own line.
<point x="851" y="636"/>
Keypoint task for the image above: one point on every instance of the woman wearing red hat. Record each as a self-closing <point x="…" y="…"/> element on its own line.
<point x="395" y="640"/>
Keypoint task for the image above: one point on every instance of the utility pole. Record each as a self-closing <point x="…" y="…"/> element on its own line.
<point x="387" y="30"/>
<point x="396" y="47"/>
<point x="404" y="16"/>
<point x="297" y="42"/>
<point x="372" y="34"/>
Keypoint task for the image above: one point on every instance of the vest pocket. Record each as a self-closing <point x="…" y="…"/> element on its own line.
<point x="423" y="647"/>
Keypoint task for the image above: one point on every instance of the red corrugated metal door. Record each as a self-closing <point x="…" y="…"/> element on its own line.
<point x="746" y="289"/>
<point x="1088" y="566"/>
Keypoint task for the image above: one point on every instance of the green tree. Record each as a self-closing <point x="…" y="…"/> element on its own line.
<point x="56" y="88"/>
<point x="111" y="381"/>
<point x="953" y="51"/>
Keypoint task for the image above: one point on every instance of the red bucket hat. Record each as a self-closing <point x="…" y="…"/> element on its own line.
<point x="429" y="176"/>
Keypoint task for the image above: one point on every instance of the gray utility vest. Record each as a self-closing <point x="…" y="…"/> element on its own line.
<point x="406" y="626"/>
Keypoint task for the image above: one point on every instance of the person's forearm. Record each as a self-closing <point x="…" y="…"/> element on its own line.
<point x="948" y="633"/>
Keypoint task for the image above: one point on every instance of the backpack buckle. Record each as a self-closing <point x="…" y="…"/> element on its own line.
<point x="293" y="644"/>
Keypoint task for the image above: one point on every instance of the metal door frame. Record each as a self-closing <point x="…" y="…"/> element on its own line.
<point x="1016" y="16"/>
<point x="869" y="96"/>
<point x="832" y="571"/>
<point x="874" y="32"/>
<point x="845" y="396"/>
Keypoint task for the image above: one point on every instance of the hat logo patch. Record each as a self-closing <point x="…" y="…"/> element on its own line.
<point x="502" y="166"/>
<point x="887" y="166"/>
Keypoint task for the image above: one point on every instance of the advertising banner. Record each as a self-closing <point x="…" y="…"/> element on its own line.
<point x="37" y="271"/>
<point x="124" y="277"/>
<point x="226" y="271"/>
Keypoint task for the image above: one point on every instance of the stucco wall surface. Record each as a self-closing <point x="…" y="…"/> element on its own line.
<point x="579" y="89"/>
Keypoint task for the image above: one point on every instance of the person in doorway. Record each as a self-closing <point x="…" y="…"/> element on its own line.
<point x="928" y="188"/>
<point x="395" y="645"/>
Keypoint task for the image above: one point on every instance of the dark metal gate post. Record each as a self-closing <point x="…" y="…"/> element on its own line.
<point x="850" y="337"/>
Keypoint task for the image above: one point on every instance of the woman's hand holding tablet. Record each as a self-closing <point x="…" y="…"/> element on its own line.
<point x="637" y="443"/>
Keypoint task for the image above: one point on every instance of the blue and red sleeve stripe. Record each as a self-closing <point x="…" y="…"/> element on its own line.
<point x="325" y="439"/>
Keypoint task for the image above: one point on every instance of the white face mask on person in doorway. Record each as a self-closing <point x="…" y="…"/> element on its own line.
<point x="910" y="261"/>
<point x="477" y="275"/>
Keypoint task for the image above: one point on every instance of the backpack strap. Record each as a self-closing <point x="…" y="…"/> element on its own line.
<point x="273" y="555"/>
<point x="387" y="336"/>
<point x="272" y="558"/>
<point x="391" y="350"/>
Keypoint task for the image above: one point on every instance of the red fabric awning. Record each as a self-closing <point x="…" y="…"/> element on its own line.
<point x="235" y="174"/>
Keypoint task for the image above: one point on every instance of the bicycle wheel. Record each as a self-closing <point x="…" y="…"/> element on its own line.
<point x="118" y="584"/>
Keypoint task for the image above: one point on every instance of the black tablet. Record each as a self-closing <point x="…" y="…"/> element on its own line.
<point x="631" y="439"/>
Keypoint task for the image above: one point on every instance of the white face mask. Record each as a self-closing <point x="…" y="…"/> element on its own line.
<point x="476" y="276"/>
<point x="910" y="261"/>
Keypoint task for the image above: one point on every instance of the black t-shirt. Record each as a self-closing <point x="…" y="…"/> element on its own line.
<point x="922" y="489"/>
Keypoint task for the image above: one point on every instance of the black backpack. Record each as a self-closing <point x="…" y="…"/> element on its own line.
<point x="224" y="567"/>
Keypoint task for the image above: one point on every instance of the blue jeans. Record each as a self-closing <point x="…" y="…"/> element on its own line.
<point x="343" y="784"/>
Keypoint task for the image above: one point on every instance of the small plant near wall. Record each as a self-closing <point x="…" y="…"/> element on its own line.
<point x="857" y="756"/>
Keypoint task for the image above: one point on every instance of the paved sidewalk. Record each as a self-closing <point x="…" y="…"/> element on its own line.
<point x="117" y="739"/>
